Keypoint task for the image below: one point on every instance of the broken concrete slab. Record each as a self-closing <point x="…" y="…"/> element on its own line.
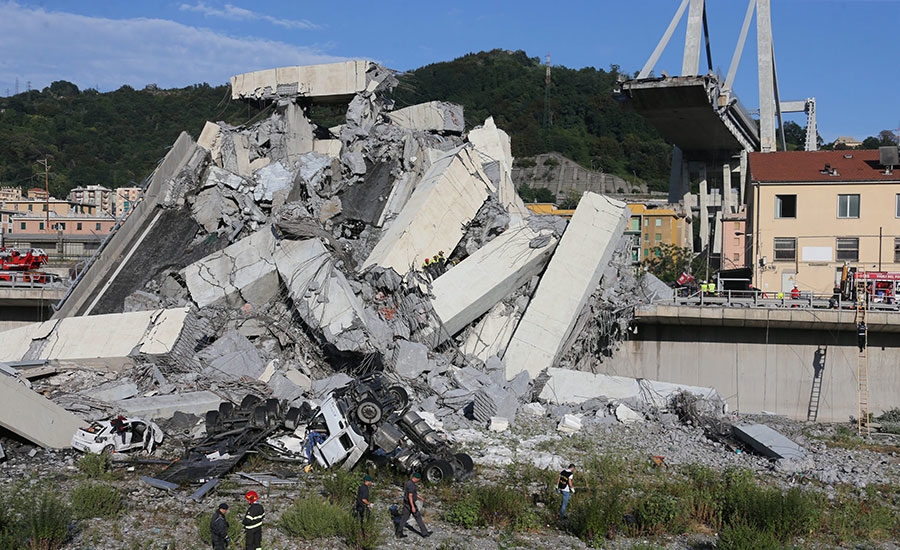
<point x="325" y="82"/>
<point x="498" y="424"/>
<point x="492" y="333"/>
<point x="569" y="424"/>
<point x="493" y="146"/>
<point x="492" y="273"/>
<point x="493" y="401"/>
<point x="768" y="442"/>
<point x="113" y="391"/>
<point x="232" y="356"/>
<point x="320" y="388"/>
<point x="241" y="272"/>
<point x="298" y="133"/>
<point x="571" y="277"/>
<point x="211" y="206"/>
<point x="433" y="218"/>
<point x="627" y="416"/>
<point x="34" y="417"/>
<point x="329" y="147"/>
<point x="103" y="341"/>
<point x="534" y="409"/>
<point x="271" y="179"/>
<point x="410" y="359"/>
<point x="434" y="116"/>
<point x="165" y="406"/>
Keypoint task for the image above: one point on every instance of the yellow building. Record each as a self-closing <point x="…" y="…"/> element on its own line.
<point x="656" y="227"/>
<point x="549" y="209"/>
<point x="812" y="211"/>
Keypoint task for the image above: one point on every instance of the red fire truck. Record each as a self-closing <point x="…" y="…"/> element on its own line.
<point x="19" y="267"/>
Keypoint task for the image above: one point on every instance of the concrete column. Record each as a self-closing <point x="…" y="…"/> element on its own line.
<point x="704" y="208"/>
<point x="727" y="199"/>
<point x="690" y="64"/>
<point x="766" y="67"/>
<point x="676" y="182"/>
<point x="742" y="197"/>
<point x="717" y="238"/>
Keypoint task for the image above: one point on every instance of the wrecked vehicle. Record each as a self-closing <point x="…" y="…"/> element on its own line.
<point x="369" y="415"/>
<point x="118" y="435"/>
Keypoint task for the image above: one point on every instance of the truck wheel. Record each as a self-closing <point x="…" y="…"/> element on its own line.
<point x="260" y="417"/>
<point x="274" y="408"/>
<point x="401" y="398"/>
<point x="213" y="421"/>
<point x="369" y="412"/>
<point x="292" y="418"/>
<point x="438" y="471"/>
<point x="249" y="402"/>
<point x="463" y="463"/>
<point x="226" y="409"/>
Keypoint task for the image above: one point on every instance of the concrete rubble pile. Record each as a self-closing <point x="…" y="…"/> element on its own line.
<point x="395" y="240"/>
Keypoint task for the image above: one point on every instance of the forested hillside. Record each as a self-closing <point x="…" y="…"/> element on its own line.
<point x="117" y="138"/>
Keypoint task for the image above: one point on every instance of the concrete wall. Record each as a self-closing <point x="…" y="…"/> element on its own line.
<point x="764" y="369"/>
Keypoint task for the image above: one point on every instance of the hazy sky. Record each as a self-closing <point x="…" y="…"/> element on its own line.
<point x="842" y="52"/>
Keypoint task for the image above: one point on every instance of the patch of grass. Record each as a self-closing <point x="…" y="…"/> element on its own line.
<point x="93" y="500"/>
<point x="853" y="519"/>
<point x="235" y="528"/>
<point x="95" y="466"/>
<point x="658" y="512"/>
<point x="493" y="505"/>
<point x="341" y="485"/>
<point x="743" y="537"/>
<point x="313" y="518"/>
<point x="599" y="516"/>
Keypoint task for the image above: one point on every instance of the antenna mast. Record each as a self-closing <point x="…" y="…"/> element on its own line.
<point x="548" y="116"/>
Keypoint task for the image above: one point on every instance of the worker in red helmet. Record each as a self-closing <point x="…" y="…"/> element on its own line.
<point x="253" y="521"/>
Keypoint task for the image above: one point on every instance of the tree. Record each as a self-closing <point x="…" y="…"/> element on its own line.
<point x="794" y="136"/>
<point x="870" y="143"/>
<point x="535" y="194"/>
<point x="571" y="200"/>
<point x="668" y="262"/>
<point x="887" y="137"/>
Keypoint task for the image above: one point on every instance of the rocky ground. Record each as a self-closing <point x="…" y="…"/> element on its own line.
<point x="156" y="519"/>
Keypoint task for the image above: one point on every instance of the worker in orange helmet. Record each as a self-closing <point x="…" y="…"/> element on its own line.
<point x="253" y="521"/>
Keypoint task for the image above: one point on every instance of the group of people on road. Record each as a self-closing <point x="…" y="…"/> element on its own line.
<point x="253" y="517"/>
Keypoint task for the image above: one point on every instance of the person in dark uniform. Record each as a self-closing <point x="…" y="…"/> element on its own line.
<point x="218" y="528"/>
<point x="363" y="504"/>
<point x="566" y="488"/>
<point x="861" y="335"/>
<point x="118" y="424"/>
<point x="410" y="507"/>
<point x="253" y="521"/>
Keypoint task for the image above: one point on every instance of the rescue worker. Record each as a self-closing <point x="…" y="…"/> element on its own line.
<point x="253" y="521"/>
<point x="861" y="335"/>
<point x="118" y="424"/>
<point x="795" y="293"/>
<point x="363" y="504"/>
<point x="410" y="498"/>
<point x="566" y="488"/>
<point x="218" y="528"/>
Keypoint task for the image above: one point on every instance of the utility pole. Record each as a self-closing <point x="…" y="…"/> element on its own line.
<point x="548" y="117"/>
<point x="46" y="192"/>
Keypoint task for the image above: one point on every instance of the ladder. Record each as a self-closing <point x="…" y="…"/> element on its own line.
<point x="862" y="365"/>
<point x="815" y="393"/>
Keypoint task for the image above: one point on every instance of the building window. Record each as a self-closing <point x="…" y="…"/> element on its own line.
<point x="657" y="252"/>
<point x="897" y="206"/>
<point x="646" y="222"/>
<point x="98" y="227"/>
<point x="646" y="237"/>
<point x="634" y="256"/>
<point x="635" y="222"/>
<point x="848" y="206"/>
<point x="645" y="252"/>
<point x="23" y="226"/>
<point x="41" y="226"/>
<point x="785" y="206"/>
<point x="78" y="226"/>
<point x="659" y="237"/>
<point x="658" y="222"/>
<point x="785" y="249"/>
<point x="30" y="208"/>
<point x="896" y="250"/>
<point x="848" y="249"/>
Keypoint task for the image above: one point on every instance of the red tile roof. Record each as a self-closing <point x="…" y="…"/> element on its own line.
<point x="807" y="166"/>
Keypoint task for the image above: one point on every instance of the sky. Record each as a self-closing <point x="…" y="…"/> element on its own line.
<point x="842" y="52"/>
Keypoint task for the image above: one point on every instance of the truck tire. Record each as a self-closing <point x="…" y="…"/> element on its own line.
<point x="369" y="411"/>
<point x="274" y="408"/>
<point x="463" y="463"/>
<point x="213" y="422"/>
<point x="226" y="409"/>
<point x="438" y="471"/>
<point x="292" y="418"/>
<point x="401" y="399"/>
<point x="249" y="402"/>
<point x="260" y="417"/>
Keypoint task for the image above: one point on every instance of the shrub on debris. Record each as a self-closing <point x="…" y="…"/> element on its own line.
<point x="493" y="505"/>
<point x="741" y="537"/>
<point x="340" y="485"/>
<point x="95" y="466"/>
<point x="92" y="500"/>
<point x="43" y="521"/>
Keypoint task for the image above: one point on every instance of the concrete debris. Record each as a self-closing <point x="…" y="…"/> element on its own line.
<point x="434" y="116"/>
<point x="410" y="359"/>
<point x="331" y="81"/>
<point x="113" y="391"/>
<point x="232" y="356"/>
<point x="498" y="424"/>
<point x="493" y="401"/>
<point x="533" y="409"/>
<point x="34" y="417"/>
<point x="569" y="424"/>
<point x="165" y="406"/>
<point x="769" y="442"/>
<point x="627" y="416"/>
<point x="571" y="276"/>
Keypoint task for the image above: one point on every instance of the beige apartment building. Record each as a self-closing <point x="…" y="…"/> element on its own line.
<point x="810" y="212"/>
<point x="125" y="199"/>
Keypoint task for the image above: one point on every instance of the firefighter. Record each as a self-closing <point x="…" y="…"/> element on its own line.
<point x="363" y="504"/>
<point x="253" y="521"/>
<point x="861" y="335"/>
<point x="566" y="488"/>
<point x="411" y="508"/>
<point x="118" y="424"/>
<point x="218" y="528"/>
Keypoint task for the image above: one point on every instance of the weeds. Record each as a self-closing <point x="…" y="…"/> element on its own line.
<point x="314" y="518"/>
<point x="94" y="466"/>
<point x="43" y="522"/>
<point x="493" y="505"/>
<point x="340" y="486"/>
<point x="742" y="537"/>
<point x="91" y="500"/>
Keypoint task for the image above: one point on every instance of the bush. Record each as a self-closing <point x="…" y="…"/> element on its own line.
<point x="94" y="466"/>
<point x="90" y="500"/>
<point x="313" y="518"/>
<point x="657" y="512"/>
<point x="493" y="505"/>
<point x="341" y="485"/>
<point x="235" y="528"/>
<point x="464" y="513"/>
<point x="7" y="529"/>
<point x="742" y="537"/>
<point x="598" y="517"/>
<point x="44" y="519"/>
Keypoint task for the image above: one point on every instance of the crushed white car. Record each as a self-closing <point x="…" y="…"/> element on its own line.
<point x="118" y="435"/>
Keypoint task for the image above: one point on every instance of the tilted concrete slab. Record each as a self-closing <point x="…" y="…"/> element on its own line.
<point x="768" y="442"/>
<point x="571" y="276"/>
<point x="34" y="417"/>
<point x="98" y="340"/>
<point x="571" y="387"/>
<point x="433" y="218"/>
<point x="164" y="406"/>
<point x="434" y="116"/>
<point x="493" y="272"/>
<point x="493" y="145"/>
<point x="321" y="294"/>
<point x="492" y="333"/>
<point x="241" y="272"/>
<point x="329" y="81"/>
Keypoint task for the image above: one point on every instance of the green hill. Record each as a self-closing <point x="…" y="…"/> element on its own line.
<point x="117" y="138"/>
